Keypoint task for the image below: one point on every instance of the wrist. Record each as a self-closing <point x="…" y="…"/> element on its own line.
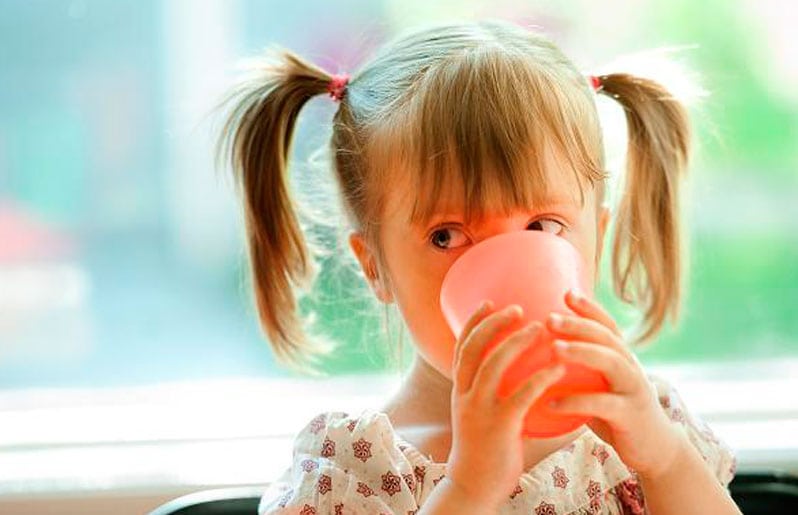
<point x="672" y="453"/>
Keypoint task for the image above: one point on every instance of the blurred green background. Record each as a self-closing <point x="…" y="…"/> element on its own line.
<point x="121" y="256"/>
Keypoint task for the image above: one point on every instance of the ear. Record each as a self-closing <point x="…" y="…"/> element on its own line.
<point x="368" y="264"/>
<point x="601" y="226"/>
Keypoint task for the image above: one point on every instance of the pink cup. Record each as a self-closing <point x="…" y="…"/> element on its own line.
<point x="533" y="269"/>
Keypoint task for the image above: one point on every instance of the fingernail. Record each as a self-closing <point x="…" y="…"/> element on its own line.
<point x="560" y="345"/>
<point x="576" y="296"/>
<point x="515" y="310"/>
<point x="556" y="320"/>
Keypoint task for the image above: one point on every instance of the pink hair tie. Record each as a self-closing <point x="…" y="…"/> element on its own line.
<point x="337" y="86"/>
<point x="595" y="81"/>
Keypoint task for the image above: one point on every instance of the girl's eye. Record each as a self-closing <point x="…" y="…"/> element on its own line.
<point x="547" y="225"/>
<point x="448" y="238"/>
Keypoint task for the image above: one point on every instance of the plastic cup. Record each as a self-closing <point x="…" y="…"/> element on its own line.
<point x="534" y="270"/>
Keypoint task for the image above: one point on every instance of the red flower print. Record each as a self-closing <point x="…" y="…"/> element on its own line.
<point x="391" y="483"/>
<point x="595" y="505"/>
<point x="545" y="508"/>
<point x="665" y="401"/>
<point x="436" y="481"/>
<point x="327" y="448"/>
<point x="318" y="423"/>
<point x="351" y="425"/>
<point x="593" y="489"/>
<point x="516" y="491"/>
<point x="339" y="509"/>
<point x="630" y="494"/>
<point x="308" y="510"/>
<point x="364" y="489"/>
<point x="411" y="482"/>
<point x="677" y="415"/>
<point x="309" y="465"/>
<point x="362" y="450"/>
<point x="559" y="477"/>
<point x="569" y="448"/>
<point x="419" y="472"/>
<point x="600" y="452"/>
<point x="325" y="484"/>
<point x="402" y="447"/>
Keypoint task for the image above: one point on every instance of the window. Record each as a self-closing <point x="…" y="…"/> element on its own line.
<point x="126" y="326"/>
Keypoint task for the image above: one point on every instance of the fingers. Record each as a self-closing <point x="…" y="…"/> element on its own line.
<point x="493" y="367"/>
<point x="526" y="395"/>
<point x="570" y="327"/>
<point x="615" y="368"/>
<point x="481" y="312"/>
<point x="478" y="315"/>
<point x="588" y="308"/>
<point x="475" y="342"/>
<point x="605" y="406"/>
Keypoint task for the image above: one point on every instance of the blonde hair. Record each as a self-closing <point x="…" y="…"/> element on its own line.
<point x="473" y="103"/>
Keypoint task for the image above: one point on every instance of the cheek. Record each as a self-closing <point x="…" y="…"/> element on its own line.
<point x="416" y="291"/>
<point x="431" y="335"/>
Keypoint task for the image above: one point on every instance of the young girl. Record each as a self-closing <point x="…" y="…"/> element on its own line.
<point x="449" y="135"/>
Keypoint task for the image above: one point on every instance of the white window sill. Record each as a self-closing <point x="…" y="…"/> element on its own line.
<point x="221" y="433"/>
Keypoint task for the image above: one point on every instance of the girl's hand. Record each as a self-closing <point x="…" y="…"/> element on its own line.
<point x="486" y="429"/>
<point x="629" y="416"/>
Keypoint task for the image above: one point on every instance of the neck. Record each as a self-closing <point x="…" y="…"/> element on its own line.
<point x="424" y="398"/>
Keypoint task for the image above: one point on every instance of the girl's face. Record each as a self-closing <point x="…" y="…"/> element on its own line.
<point x="418" y="256"/>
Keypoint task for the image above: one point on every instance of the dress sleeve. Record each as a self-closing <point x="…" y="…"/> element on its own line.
<point x="342" y="466"/>
<point x="716" y="453"/>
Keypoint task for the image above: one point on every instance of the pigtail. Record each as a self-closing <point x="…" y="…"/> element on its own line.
<point x="257" y="137"/>
<point x="647" y="249"/>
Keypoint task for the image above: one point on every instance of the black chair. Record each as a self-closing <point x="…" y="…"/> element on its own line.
<point x="765" y="492"/>
<point x="220" y="501"/>
<point x="755" y="492"/>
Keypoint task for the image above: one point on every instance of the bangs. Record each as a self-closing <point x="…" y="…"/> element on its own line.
<point x="486" y="129"/>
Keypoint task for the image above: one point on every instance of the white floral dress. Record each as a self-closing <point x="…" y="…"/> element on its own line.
<point x="358" y="465"/>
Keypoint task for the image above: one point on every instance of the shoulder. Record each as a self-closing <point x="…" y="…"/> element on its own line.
<point x="344" y="464"/>
<point x="716" y="453"/>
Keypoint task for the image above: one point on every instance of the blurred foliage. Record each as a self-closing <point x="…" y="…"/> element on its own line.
<point x="744" y="127"/>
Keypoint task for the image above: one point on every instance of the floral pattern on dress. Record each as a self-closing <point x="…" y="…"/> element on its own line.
<point x="559" y="477"/>
<point x="362" y="449"/>
<point x="325" y="484"/>
<point x="352" y="465"/>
